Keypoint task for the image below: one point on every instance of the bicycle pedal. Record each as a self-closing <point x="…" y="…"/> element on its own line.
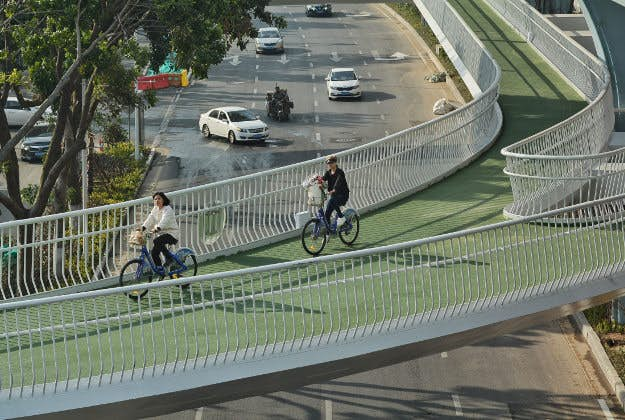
<point x="175" y="276"/>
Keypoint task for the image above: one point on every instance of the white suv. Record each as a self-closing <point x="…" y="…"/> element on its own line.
<point x="343" y="83"/>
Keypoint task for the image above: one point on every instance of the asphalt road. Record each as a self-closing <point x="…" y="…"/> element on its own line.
<point x="395" y="97"/>
<point x="545" y="372"/>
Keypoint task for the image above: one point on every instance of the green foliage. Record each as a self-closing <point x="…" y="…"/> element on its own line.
<point x="29" y="193"/>
<point x="114" y="132"/>
<point x="411" y="14"/>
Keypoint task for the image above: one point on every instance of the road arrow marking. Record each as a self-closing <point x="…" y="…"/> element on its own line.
<point x="235" y="61"/>
<point x="394" y="57"/>
<point x="335" y="57"/>
<point x="361" y="14"/>
<point x="283" y="59"/>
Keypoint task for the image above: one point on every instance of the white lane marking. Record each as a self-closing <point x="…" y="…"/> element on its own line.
<point x="299" y="29"/>
<point x="303" y="36"/>
<point x="313" y="76"/>
<point x="257" y="66"/>
<point x="253" y="105"/>
<point x="307" y="54"/>
<point x="256" y="79"/>
<point x="386" y="133"/>
<point x="377" y="101"/>
<point x="360" y="52"/>
<point x="199" y="413"/>
<point x="328" y="410"/>
<point x="374" y="87"/>
<point x="316" y="103"/>
<point x="369" y="75"/>
<point x="310" y="64"/>
<point x="316" y="118"/>
<point x="255" y="91"/>
<point x="314" y="89"/>
<point x="318" y="154"/>
<point x="457" y="405"/>
<point x="294" y="20"/>
<point x="382" y="116"/>
<point x="443" y="354"/>
<point x="365" y="63"/>
<point x="318" y="138"/>
<point x="606" y="410"/>
<point x="306" y="45"/>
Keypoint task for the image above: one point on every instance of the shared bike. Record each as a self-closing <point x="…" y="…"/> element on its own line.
<point x="141" y="270"/>
<point x="316" y="232"/>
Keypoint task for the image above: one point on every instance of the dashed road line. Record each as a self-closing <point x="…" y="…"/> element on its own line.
<point x="253" y="105"/>
<point x="328" y="410"/>
<point x="369" y="75"/>
<point x="317" y="118"/>
<point x="382" y="116"/>
<point x="255" y="91"/>
<point x="374" y="87"/>
<point x="457" y="405"/>
<point x="318" y="139"/>
<point x="377" y="101"/>
<point x="256" y="79"/>
<point x="303" y="36"/>
<point x="360" y="52"/>
<point x="257" y="66"/>
<point x="308" y="54"/>
<point x="386" y="133"/>
<point x="443" y="354"/>
<point x="199" y="413"/>
<point x="299" y="29"/>
<point x="306" y="45"/>
<point x="313" y="76"/>
<point x="316" y="103"/>
<point x="294" y="20"/>
<point x="314" y="89"/>
<point x="365" y="63"/>
<point x="311" y="65"/>
<point x="606" y="410"/>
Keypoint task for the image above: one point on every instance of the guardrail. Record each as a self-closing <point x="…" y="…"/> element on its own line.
<point x="566" y="163"/>
<point x="93" y="339"/>
<point x="80" y="249"/>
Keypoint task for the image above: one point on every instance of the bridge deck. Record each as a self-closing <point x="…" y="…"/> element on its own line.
<point x="533" y="97"/>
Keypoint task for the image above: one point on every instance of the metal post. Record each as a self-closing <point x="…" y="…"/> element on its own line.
<point x="618" y="314"/>
<point x="84" y="184"/>
<point x="138" y="131"/>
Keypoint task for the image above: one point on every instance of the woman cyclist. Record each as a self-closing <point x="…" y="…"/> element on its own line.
<point x="162" y="222"/>
<point x="337" y="189"/>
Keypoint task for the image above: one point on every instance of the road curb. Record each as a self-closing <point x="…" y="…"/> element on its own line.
<point x="598" y="352"/>
<point x="449" y="82"/>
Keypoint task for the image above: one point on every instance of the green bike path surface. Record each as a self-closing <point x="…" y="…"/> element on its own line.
<point x="533" y="97"/>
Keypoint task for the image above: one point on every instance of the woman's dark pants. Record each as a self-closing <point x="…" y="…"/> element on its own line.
<point x="160" y="245"/>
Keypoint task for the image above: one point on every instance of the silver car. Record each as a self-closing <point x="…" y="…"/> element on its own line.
<point x="269" y="40"/>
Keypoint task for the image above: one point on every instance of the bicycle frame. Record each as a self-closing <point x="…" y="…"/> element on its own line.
<point x="146" y="257"/>
<point x="330" y="227"/>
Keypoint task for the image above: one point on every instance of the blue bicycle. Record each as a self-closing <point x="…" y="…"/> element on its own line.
<point x="142" y="269"/>
<point x="317" y="231"/>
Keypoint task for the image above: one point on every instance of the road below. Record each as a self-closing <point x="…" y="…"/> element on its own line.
<point x="545" y="372"/>
<point x="390" y="61"/>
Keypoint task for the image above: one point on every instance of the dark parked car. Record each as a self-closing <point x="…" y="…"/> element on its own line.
<point x="322" y="9"/>
<point x="34" y="149"/>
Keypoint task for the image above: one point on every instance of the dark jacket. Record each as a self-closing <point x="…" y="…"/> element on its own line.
<point x="337" y="182"/>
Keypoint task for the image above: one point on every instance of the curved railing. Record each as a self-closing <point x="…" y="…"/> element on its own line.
<point x="224" y="323"/>
<point x="566" y="163"/>
<point x="80" y="248"/>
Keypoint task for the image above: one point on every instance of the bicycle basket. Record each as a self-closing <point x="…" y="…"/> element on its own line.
<point x="136" y="239"/>
<point x="316" y="196"/>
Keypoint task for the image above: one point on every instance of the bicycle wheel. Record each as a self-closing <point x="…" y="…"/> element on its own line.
<point x="135" y="272"/>
<point x="188" y="258"/>
<point x="349" y="231"/>
<point x="314" y="236"/>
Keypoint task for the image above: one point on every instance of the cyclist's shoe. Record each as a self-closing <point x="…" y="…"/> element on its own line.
<point x="160" y="270"/>
<point x="340" y="222"/>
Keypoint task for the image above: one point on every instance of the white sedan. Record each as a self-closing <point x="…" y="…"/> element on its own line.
<point x="343" y="83"/>
<point x="17" y="115"/>
<point x="234" y="123"/>
<point x="269" y="40"/>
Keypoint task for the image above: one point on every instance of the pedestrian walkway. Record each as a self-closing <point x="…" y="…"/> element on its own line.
<point x="533" y="96"/>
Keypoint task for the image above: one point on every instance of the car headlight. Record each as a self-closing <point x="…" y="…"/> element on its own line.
<point x="244" y="130"/>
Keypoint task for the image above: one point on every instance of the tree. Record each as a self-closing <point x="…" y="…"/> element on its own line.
<point x="71" y="55"/>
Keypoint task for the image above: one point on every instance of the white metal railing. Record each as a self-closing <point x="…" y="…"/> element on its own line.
<point x="79" y="248"/>
<point x="566" y="163"/>
<point x="89" y="340"/>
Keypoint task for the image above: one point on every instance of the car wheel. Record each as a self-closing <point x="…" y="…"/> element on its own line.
<point x="231" y="137"/>
<point x="206" y="131"/>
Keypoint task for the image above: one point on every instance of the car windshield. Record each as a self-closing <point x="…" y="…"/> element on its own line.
<point x="342" y="76"/>
<point x="269" y="34"/>
<point x="243" y="115"/>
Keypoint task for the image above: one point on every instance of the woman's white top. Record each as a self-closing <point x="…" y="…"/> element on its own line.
<point x="163" y="218"/>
